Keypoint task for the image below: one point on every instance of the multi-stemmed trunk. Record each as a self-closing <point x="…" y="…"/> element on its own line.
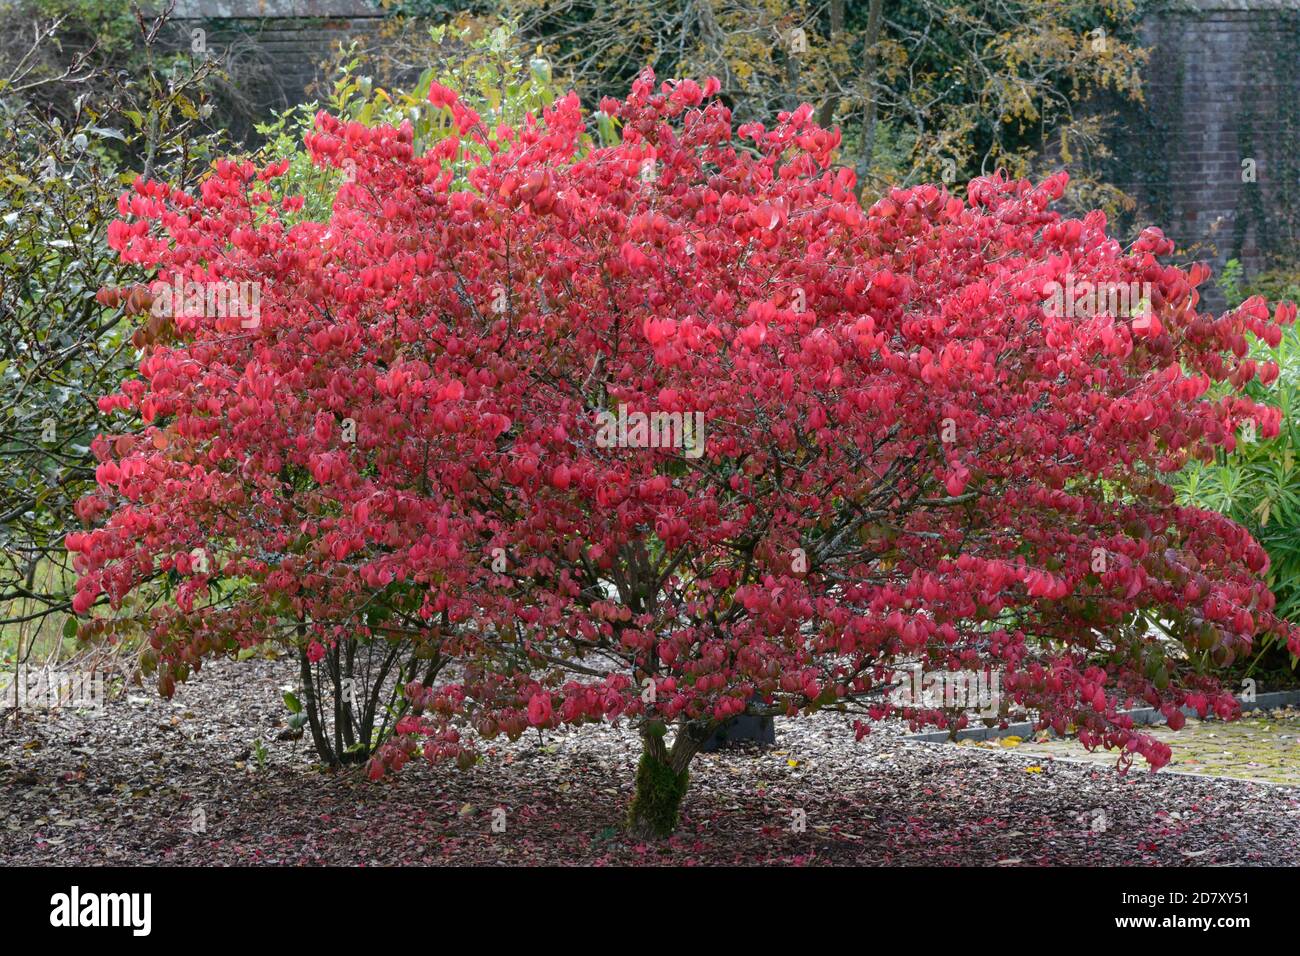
<point x="351" y="703"/>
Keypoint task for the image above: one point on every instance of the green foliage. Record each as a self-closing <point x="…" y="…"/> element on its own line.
<point x="63" y="165"/>
<point x="484" y="67"/>
<point x="1230" y="282"/>
<point x="1258" y="485"/>
<point x="58" y="348"/>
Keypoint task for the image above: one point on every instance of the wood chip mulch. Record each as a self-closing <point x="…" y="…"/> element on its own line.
<point x="204" y="779"/>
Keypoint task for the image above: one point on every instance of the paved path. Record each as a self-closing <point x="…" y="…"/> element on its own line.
<point x="1262" y="747"/>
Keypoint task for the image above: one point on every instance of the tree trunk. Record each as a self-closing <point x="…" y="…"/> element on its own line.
<point x="655" y="806"/>
<point x="661" y="780"/>
<point x="826" y="113"/>
<point x="310" y="703"/>
<point x="874" y="21"/>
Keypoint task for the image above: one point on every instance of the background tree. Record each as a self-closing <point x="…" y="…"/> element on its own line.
<point x="923" y="90"/>
<point x="73" y="132"/>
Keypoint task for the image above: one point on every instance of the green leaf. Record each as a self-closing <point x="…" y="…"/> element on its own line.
<point x="292" y="702"/>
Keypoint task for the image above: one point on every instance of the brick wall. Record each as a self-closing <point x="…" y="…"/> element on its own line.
<point x="275" y="48"/>
<point x="1222" y="87"/>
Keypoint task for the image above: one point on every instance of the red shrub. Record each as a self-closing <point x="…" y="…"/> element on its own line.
<point x="908" y="454"/>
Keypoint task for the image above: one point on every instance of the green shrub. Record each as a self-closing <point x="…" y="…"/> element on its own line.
<point x="1258" y="485"/>
<point x="64" y="161"/>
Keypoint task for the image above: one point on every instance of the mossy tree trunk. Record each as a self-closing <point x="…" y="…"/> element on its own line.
<point x="661" y="780"/>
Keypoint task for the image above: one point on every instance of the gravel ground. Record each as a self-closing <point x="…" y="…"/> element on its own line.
<point x="131" y="785"/>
